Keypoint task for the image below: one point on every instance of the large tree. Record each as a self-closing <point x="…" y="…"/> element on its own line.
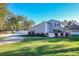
<point x="24" y="23"/>
<point x="3" y="13"/>
<point x="27" y="24"/>
<point x="18" y="22"/>
<point x="65" y="23"/>
<point x="68" y="23"/>
<point x="20" y="19"/>
<point x="12" y="23"/>
<point x="71" y="22"/>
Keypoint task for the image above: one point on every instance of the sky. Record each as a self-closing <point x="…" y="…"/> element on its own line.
<point x="40" y="12"/>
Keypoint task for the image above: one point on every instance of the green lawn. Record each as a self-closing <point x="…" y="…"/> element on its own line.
<point x="40" y="46"/>
<point x="1" y="38"/>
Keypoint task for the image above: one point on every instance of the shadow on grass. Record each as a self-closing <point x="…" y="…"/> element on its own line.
<point x="57" y="39"/>
<point x="74" y="38"/>
<point x="39" y="51"/>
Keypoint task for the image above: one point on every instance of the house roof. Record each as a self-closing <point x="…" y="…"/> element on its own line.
<point x="44" y="22"/>
<point x="54" y="20"/>
<point x="37" y="25"/>
<point x="73" y="27"/>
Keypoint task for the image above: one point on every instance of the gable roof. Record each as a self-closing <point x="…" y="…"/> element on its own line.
<point x="54" y="20"/>
<point x="43" y="23"/>
<point x="37" y="25"/>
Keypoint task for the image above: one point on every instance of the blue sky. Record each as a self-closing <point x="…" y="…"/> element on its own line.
<point x="46" y="11"/>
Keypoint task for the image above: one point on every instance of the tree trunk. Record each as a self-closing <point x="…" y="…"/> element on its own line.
<point x="12" y="32"/>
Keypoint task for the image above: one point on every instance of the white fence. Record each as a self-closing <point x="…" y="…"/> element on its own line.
<point x="74" y="33"/>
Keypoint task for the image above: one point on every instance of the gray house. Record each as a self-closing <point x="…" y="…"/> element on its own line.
<point x="46" y="27"/>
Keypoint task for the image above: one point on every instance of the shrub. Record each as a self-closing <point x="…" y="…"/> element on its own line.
<point x="42" y="34"/>
<point x="46" y="33"/>
<point x="29" y="33"/>
<point x="61" y="34"/>
<point x="56" y="34"/>
<point x="67" y="34"/>
<point x="38" y="34"/>
<point x="57" y="31"/>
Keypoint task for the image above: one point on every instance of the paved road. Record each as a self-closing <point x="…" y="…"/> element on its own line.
<point x="12" y="39"/>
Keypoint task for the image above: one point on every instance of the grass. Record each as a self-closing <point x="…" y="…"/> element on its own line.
<point x="40" y="46"/>
<point x="1" y="38"/>
<point x="74" y="38"/>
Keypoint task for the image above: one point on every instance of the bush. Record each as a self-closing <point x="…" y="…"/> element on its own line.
<point x="38" y="34"/>
<point x="42" y="34"/>
<point x="56" y="34"/>
<point x="29" y="33"/>
<point x="57" y="31"/>
<point x="67" y="34"/>
<point x="61" y="34"/>
<point x="47" y="34"/>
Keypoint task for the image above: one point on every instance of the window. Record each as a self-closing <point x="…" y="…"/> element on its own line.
<point x="50" y="31"/>
<point x="29" y="33"/>
<point x="57" y="24"/>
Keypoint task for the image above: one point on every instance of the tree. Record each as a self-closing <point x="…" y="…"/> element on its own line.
<point x="65" y="23"/>
<point x="27" y="24"/>
<point x="20" y="19"/>
<point x="18" y="22"/>
<point x="71" y="22"/>
<point x="68" y="23"/>
<point x="12" y="23"/>
<point x="30" y="23"/>
<point x="24" y="22"/>
<point x="3" y="13"/>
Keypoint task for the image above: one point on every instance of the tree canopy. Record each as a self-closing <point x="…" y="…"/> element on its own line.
<point x="12" y="22"/>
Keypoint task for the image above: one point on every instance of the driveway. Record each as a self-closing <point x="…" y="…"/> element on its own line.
<point x="11" y="39"/>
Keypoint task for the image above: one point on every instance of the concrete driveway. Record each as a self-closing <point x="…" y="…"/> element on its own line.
<point x="11" y="39"/>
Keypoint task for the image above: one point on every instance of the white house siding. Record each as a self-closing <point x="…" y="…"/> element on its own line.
<point x="40" y="28"/>
<point x="48" y="28"/>
<point x="55" y="25"/>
